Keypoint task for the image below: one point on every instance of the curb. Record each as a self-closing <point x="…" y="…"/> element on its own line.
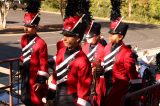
<point x="42" y="28"/>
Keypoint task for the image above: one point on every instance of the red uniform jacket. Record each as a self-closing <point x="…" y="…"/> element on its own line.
<point x="100" y="83"/>
<point x="78" y="78"/>
<point x="60" y="45"/>
<point x="99" y="50"/>
<point x="35" y="54"/>
<point x="123" y="71"/>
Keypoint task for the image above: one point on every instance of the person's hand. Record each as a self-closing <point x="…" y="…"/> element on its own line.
<point x="93" y="70"/>
<point x="44" y="100"/>
<point x="37" y="86"/>
<point x="97" y="70"/>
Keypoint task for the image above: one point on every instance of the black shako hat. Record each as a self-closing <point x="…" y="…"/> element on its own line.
<point x="31" y="16"/>
<point x="118" y="27"/>
<point x="31" y="19"/>
<point x="73" y="26"/>
<point x="93" y="29"/>
<point x="77" y="17"/>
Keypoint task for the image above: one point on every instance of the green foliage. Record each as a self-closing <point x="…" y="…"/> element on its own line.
<point x="154" y="9"/>
<point x="100" y="8"/>
<point x="146" y="11"/>
<point x="51" y="3"/>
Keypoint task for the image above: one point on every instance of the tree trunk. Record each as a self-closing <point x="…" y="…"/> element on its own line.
<point x="0" y="17"/>
<point x="3" y="16"/>
<point x="4" y="22"/>
<point x="62" y="6"/>
<point x="129" y="8"/>
<point x="3" y="13"/>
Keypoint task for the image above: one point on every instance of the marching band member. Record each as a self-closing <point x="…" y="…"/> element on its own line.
<point x="72" y="77"/>
<point x="35" y="61"/>
<point x="95" y="51"/>
<point x="119" y="64"/>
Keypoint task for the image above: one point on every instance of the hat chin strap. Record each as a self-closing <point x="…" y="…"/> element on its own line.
<point x="78" y="22"/>
<point x="90" y="27"/>
<point x="34" y="18"/>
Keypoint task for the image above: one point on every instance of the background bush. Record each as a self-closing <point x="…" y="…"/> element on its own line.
<point x="145" y="11"/>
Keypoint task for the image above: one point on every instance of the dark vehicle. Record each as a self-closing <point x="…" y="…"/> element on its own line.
<point x="17" y="4"/>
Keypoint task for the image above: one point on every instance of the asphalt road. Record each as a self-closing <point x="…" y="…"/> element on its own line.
<point x="141" y="35"/>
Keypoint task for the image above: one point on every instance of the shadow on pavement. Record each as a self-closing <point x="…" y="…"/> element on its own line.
<point x="42" y="28"/>
<point x="12" y="22"/>
<point x="58" y="27"/>
<point x="132" y="26"/>
<point x="8" y="52"/>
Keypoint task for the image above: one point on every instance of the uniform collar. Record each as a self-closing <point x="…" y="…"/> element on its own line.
<point x="70" y="52"/>
<point x="113" y="47"/>
<point x="91" y="46"/>
<point x="31" y="37"/>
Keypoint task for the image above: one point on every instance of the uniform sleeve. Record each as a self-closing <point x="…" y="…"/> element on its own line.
<point x="52" y="81"/>
<point x="52" y="86"/>
<point x="130" y="67"/>
<point x="43" y="69"/>
<point x="84" y="84"/>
